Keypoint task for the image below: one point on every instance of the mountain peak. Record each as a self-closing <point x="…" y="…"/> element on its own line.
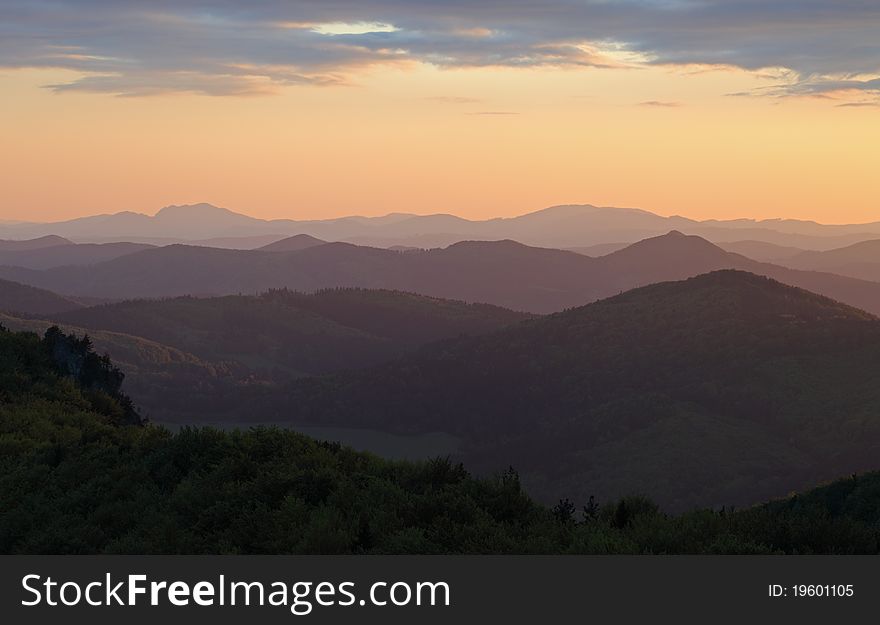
<point x="291" y="244"/>
<point x="191" y="210"/>
<point x="732" y="293"/>
<point x="50" y="240"/>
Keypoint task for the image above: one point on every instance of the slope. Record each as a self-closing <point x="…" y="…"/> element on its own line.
<point x="283" y="333"/>
<point x="15" y="297"/>
<point x="504" y="273"/>
<point x="723" y="389"/>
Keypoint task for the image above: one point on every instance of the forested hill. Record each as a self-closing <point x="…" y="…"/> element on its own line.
<point x="21" y="298"/>
<point x="723" y="389"/>
<point x="282" y="333"/>
<point x="79" y="475"/>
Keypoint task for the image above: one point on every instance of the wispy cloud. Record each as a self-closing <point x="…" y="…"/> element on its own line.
<point x="661" y="104"/>
<point x="229" y="47"/>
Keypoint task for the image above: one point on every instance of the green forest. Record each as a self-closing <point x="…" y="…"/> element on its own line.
<point x="81" y="472"/>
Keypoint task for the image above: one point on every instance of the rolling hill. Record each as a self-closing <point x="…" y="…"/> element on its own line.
<point x="49" y="240"/>
<point x="861" y="260"/>
<point x="68" y="254"/>
<point x="283" y="333"/>
<point x="163" y="380"/>
<point x="21" y="298"/>
<point x="503" y="273"/>
<point x="293" y="244"/>
<point x="80" y="474"/>
<point x="761" y="251"/>
<point x="727" y="388"/>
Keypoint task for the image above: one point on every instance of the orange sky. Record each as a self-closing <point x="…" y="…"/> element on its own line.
<point x="477" y="142"/>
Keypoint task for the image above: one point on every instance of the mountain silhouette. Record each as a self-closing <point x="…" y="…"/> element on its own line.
<point x="293" y="244"/>
<point x="282" y="333"/>
<point x="722" y="389"/>
<point x="565" y="226"/>
<point x="21" y="298"/>
<point x="68" y="254"/>
<point x="860" y="260"/>
<point x="761" y="250"/>
<point x="50" y="240"/>
<point x="504" y="273"/>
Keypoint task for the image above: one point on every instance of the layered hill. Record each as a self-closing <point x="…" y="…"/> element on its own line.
<point x="284" y="333"/>
<point x="50" y="240"/>
<point x="68" y="254"/>
<point x="861" y="260"/>
<point x="21" y="298"/>
<point x="557" y="226"/>
<point x="80" y="475"/>
<point x="503" y="273"/>
<point x="293" y="244"/>
<point x="722" y="389"/>
<point x="165" y="382"/>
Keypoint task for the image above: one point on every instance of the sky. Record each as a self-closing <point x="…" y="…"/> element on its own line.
<point x="324" y="108"/>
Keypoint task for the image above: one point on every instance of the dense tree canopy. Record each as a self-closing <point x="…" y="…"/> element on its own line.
<point x="80" y="474"/>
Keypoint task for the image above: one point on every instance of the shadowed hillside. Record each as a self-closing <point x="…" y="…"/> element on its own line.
<point x="162" y="380"/>
<point x="283" y="333"/>
<point x="79" y="475"/>
<point x="722" y="389"/>
<point x="68" y="254"/>
<point x="21" y="298"/>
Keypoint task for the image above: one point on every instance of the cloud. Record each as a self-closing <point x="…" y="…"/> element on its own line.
<point x="858" y="91"/>
<point x="229" y="47"/>
<point x="660" y="104"/>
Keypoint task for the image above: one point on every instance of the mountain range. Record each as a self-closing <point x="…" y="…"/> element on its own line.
<point x="81" y="473"/>
<point x="21" y="298"/>
<point x="282" y="334"/>
<point x="558" y="226"/>
<point x="727" y="388"/>
<point x="503" y="273"/>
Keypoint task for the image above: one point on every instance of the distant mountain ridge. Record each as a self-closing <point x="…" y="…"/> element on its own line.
<point x="559" y="226"/>
<point x="49" y="240"/>
<point x="68" y="254"/>
<point x="504" y="273"/>
<point x="860" y="260"/>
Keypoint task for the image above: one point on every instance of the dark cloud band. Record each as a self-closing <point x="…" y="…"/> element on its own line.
<point x="231" y="47"/>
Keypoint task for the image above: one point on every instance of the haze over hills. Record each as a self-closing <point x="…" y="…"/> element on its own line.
<point x="83" y="474"/>
<point x="68" y="254"/>
<point x="160" y="378"/>
<point x="282" y="334"/>
<point x="503" y="273"/>
<point x="50" y="240"/>
<point x="723" y="389"/>
<point x="761" y="250"/>
<point x="756" y="250"/>
<point x="21" y="298"/>
<point x="860" y="260"/>
<point x="292" y="244"/>
<point x="558" y="226"/>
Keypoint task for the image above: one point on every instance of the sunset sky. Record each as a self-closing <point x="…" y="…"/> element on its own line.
<point x="323" y="108"/>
